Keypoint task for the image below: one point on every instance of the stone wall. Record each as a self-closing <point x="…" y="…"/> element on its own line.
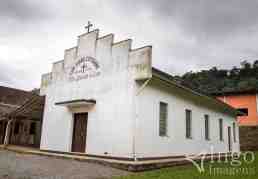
<point x="248" y="138"/>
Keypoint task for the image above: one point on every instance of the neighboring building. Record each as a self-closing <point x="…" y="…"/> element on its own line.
<point x="105" y="99"/>
<point x="11" y="98"/>
<point x="246" y="102"/>
<point x="25" y="129"/>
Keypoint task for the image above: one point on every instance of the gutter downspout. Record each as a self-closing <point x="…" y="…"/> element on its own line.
<point x="136" y="117"/>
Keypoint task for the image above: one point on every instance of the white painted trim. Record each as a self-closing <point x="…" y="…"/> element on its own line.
<point x="8" y="132"/>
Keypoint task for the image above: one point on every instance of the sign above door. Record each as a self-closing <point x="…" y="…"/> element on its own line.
<point x="84" y="68"/>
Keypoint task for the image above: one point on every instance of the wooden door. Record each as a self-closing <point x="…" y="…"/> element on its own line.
<point x="79" y="132"/>
<point x="229" y="140"/>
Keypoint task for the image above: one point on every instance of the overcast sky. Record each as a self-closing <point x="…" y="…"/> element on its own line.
<point x="186" y="35"/>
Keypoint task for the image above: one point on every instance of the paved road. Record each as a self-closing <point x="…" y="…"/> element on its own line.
<point x="19" y="166"/>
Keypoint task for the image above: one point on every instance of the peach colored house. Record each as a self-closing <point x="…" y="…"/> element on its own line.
<point x="244" y="101"/>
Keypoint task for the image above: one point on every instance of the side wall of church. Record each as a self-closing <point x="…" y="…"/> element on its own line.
<point x="150" y="144"/>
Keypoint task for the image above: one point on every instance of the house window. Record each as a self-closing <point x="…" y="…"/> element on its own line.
<point x="207" y="127"/>
<point x="163" y="115"/>
<point x="221" y="129"/>
<point x="234" y="131"/>
<point x="188" y="123"/>
<point x="244" y="111"/>
<point x="32" y="128"/>
<point x="16" y="128"/>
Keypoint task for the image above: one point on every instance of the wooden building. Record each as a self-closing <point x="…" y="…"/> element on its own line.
<point x="20" y="121"/>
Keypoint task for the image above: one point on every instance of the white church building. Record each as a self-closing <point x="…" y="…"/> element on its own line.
<point x="105" y="99"/>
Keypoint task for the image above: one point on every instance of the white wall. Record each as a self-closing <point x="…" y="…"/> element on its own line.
<point x="110" y="120"/>
<point x="150" y="144"/>
<point x="121" y="123"/>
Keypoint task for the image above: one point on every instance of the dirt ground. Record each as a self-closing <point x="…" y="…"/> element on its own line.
<point x="20" y="166"/>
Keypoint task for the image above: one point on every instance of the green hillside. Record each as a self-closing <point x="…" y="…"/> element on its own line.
<point x="238" y="79"/>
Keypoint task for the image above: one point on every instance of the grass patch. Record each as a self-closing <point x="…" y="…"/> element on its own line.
<point x="223" y="170"/>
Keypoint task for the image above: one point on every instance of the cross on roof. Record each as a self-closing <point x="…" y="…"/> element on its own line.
<point x="87" y="27"/>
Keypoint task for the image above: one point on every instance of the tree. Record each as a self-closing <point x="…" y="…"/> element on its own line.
<point x="217" y="80"/>
<point x="255" y="64"/>
<point x="245" y="64"/>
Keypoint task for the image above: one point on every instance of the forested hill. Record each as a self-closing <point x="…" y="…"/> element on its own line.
<point x="238" y="79"/>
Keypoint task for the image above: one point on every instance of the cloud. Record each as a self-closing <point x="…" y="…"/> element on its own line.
<point x="22" y="9"/>
<point x="193" y="35"/>
<point x="18" y="76"/>
<point x="185" y="34"/>
<point x="5" y="71"/>
<point x="200" y="17"/>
